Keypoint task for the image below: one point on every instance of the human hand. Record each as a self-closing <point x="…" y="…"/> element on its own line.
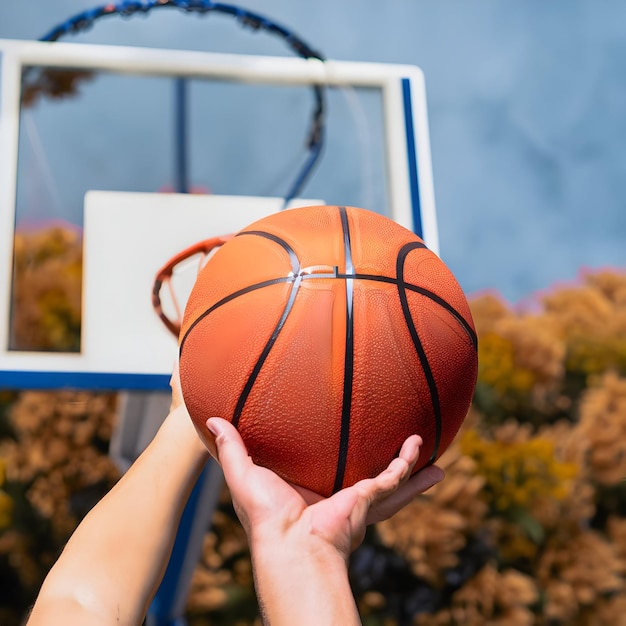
<point x="269" y="507"/>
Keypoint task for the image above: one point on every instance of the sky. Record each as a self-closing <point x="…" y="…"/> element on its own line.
<point x="526" y="104"/>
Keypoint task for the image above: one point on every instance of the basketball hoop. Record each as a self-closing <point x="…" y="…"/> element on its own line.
<point x="165" y="274"/>
<point x="59" y="83"/>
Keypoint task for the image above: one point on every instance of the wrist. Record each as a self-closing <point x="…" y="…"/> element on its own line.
<point x="295" y="547"/>
<point x="301" y="579"/>
<point x="180" y="428"/>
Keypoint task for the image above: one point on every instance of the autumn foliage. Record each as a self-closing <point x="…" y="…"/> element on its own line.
<point x="46" y="296"/>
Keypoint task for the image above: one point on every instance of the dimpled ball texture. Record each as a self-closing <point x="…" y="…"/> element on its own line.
<point x="327" y="335"/>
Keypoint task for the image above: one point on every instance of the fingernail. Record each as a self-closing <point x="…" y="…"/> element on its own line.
<point x="438" y="475"/>
<point x="214" y="426"/>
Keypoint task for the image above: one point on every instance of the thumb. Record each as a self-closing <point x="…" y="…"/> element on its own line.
<point x="231" y="450"/>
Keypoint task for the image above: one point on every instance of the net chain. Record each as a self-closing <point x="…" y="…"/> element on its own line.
<point x="85" y="20"/>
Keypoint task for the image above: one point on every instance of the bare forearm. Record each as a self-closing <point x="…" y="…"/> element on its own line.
<point x="299" y="582"/>
<point x="114" y="562"/>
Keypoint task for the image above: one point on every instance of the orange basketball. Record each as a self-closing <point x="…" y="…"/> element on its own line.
<point x="327" y="335"/>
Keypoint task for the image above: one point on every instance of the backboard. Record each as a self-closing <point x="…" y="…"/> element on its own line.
<point x="96" y="158"/>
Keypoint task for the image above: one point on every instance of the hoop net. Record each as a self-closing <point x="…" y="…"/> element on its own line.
<point x="194" y="256"/>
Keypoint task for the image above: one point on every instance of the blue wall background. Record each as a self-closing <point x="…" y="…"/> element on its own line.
<point x="527" y="105"/>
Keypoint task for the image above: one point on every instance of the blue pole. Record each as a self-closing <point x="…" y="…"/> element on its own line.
<point x="180" y="136"/>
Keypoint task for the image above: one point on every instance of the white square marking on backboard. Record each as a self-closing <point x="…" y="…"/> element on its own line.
<point x="127" y="238"/>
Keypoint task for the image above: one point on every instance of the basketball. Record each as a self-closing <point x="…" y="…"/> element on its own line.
<point x="327" y="335"/>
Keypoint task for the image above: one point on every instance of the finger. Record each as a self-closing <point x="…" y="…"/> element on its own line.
<point x="411" y="449"/>
<point x="232" y="454"/>
<point x="397" y="472"/>
<point x="417" y="484"/>
<point x="356" y="501"/>
<point x="376" y="492"/>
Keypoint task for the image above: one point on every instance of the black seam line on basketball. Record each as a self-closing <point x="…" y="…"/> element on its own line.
<point x="431" y="296"/>
<point x="265" y="352"/>
<point x="293" y="257"/>
<point x="348" y="370"/>
<point x="421" y="290"/>
<point x="232" y="296"/>
<point x="428" y="373"/>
